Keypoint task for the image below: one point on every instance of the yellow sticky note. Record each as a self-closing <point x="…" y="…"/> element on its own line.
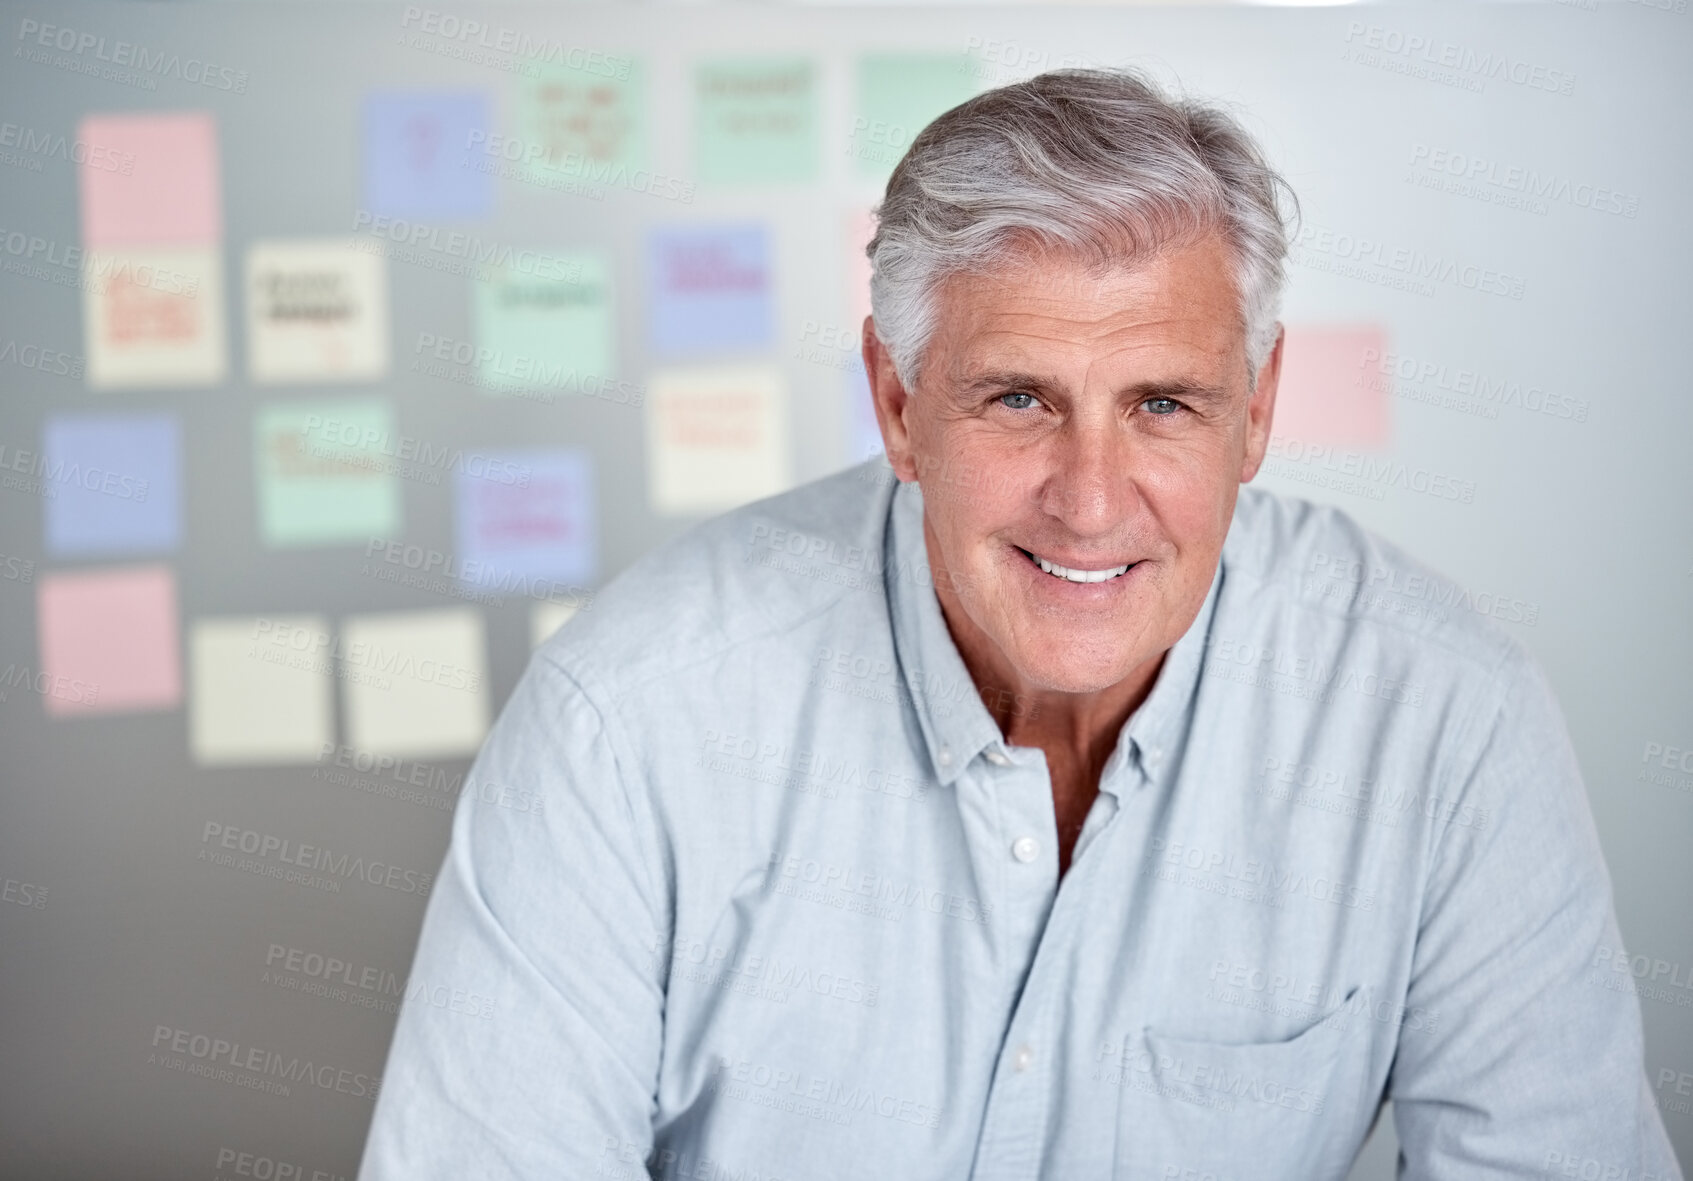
<point x="415" y="683"/>
<point x="317" y="310"/>
<point x="547" y="618"/>
<point x="154" y="316"/>
<point x="717" y="437"/>
<point x="259" y="690"/>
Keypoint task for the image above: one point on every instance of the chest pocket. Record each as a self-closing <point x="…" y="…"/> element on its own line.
<point x="1193" y="1110"/>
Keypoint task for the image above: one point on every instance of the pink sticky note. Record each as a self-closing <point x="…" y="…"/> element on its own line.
<point x="169" y="194"/>
<point x="109" y="641"/>
<point x="1331" y="390"/>
<point x="860" y="228"/>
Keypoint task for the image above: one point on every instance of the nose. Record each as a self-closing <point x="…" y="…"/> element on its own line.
<point x="1090" y="484"/>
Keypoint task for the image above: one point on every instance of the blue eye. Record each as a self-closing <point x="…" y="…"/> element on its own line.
<point x="1025" y="405"/>
<point x="1152" y="403"/>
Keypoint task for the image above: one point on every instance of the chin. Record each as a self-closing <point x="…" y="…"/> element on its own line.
<point x="1057" y="672"/>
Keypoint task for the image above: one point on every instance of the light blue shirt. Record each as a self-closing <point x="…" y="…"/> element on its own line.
<point x="747" y="886"/>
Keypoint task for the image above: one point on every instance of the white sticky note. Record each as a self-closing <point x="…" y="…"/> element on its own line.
<point x="154" y="316"/>
<point x="717" y="437"/>
<point x="260" y="690"/>
<point x="547" y="618"/>
<point x="415" y="683"/>
<point x="317" y="310"/>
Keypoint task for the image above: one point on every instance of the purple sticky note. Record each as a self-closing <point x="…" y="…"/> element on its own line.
<point x="527" y="519"/>
<point x="709" y="289"/>
<point x="420" y="155"/>
<point x="112" y="483"/>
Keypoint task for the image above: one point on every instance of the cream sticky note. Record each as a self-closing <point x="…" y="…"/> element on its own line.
<point x="108" y="641"/>
<point x="317" y="310"/>
<point x="1330" y="390"/>
<point x="546" y="618"/>
<point x="259" y="690"/>
<point x="154" y="316"/>
<point x="170" y="194"/>
<point x="717" y="437"/>
<point x="415" y="683"/>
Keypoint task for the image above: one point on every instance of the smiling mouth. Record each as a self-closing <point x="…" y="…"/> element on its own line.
<point x="1070" y="575"/>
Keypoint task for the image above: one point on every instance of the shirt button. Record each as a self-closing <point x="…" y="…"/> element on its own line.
<point x="1020" y="1061"/>
<point x="1025" y="849"/>
<point x="998" y="759"/>
<point x="944" y="756"/>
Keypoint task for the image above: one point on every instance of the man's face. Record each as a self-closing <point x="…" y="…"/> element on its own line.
<point x="1095" y="422"/>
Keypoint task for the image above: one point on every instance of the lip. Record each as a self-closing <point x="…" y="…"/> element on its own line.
<point x="1065" y="591"/>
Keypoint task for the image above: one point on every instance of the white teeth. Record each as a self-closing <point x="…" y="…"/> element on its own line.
<point x="1070" y="575"/>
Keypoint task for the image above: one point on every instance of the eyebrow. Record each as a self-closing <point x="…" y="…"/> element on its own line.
<point x="1179" y="388"/>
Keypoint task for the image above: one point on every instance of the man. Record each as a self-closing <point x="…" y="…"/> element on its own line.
<point x="1047" y="806"/>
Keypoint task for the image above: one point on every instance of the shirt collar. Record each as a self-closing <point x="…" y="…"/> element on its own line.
<point x="956" y="724"/>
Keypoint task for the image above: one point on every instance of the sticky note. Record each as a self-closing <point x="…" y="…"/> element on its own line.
<point x="317" y="310"/>
<point x="115" y="484"/>
<point x="898" y="95"/>
<point x="547" y="618"/>
<point x="154" y="316"/>
<point x="259" y="690"/>
<point x="860" y="228"/>
<point x="415" y="683"/>
<point x="755" y="121"/>
<point x="546" y="326"/>
<point x="422" y="157"/>
<point x="327" y="472"/>
<point x="527" y="522"/>
<point x="109" y="641"/>
<point x="716" y="438"/>
<point x="709" y="289"/>
<point x="586" y="122"/>
<point x="1330" y="390"/>
<point x="169" y="196"/>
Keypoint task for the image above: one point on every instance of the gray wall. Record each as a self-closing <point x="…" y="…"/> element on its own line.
<point x="111" y="927"/>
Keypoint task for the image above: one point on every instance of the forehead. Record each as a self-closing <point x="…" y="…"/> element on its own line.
<point x="1181" y="305"/>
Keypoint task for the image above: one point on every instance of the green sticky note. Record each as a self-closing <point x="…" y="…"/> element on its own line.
<point x="584" y="124"/>
<point x="327" y="471"/>
<point x="546" y="329"/>
<point x="755" y="121"/>
<point x="899" y="95"/>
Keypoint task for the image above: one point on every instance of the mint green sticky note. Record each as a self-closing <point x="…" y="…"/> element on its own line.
<point x="755" y="121"/>
<point x="327" y="471"/>
<point x="899" y="95"/>
<point x="548" y="328"/>
<point x="584" y="124"/>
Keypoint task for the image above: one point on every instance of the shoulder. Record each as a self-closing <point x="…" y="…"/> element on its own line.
<point x="751" y="573"/>
<point x="1317" y="562"/>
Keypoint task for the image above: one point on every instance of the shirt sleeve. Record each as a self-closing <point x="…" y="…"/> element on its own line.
<point x="1536" y="1068"/>
<point x="528" y="1041"/>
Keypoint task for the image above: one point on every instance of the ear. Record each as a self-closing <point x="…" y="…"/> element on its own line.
<point x="890" y="397"/>
<point x="1260" y="410"/>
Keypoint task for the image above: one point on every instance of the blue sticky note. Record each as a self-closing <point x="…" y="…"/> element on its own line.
<point x="111" y="483"/>
<point x="421" y="157"/>
<point x="709" y="289"/>
<point x="527" y="521"/>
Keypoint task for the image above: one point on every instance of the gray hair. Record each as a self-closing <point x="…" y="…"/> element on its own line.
<point x="1097" y="163"/>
